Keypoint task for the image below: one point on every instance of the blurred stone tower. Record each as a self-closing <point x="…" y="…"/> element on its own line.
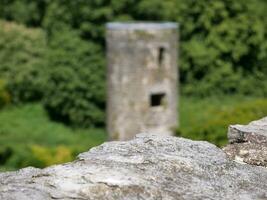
<point x="142" y="79"/>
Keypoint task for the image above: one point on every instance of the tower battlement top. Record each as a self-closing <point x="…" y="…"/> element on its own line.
<point x="141" y="25"/>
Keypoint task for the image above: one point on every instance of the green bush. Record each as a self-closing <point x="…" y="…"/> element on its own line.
<point x="5" y="153"/>
<point x="76" y="85"/>
<point x="16" y="157"/>
<point x="34" y="155"/>
<point x="65" y="72"/>
<point x="21" y="61"/>
<point x="214" y="128"/>
<point x="50" y="156"/>
<point x="4" y="95"/>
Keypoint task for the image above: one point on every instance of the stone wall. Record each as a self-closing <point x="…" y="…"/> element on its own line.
<point x="152" y="167"/>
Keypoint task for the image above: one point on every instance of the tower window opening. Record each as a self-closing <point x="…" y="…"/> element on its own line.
<point x="157" y="99"/>
<point x="161" y="55"/>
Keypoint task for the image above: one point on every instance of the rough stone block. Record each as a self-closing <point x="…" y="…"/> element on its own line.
<point x="148" y="167"/>
<point x="248" y="143"/>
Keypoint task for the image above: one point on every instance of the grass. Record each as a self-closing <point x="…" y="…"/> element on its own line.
<point x="28" y="126"/>
<point x="208" y="119"/>
<point x="198" y="110"/>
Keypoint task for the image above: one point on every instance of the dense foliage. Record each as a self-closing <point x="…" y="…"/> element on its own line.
<point x="22" y="52"/>
<point x="223" y="49"/>
<point x="4" y="95"/>
<point x="75" y="89"/>
<point x="65" y="73"/>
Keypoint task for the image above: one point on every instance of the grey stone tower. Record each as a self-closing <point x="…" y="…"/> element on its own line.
<point x="142" y="79"/>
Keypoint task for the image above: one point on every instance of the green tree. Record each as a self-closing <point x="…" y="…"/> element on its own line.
<point x="76" y="84"/>
<point x="223" y="47"/>
<point x="22" y="52"/>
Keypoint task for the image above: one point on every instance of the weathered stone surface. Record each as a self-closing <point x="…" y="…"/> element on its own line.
<point x="254" y="132"/>
<point x="142" y="79"/>
<point x="250" y="153"/>
<point x="248" y="143"/>
<point x="148" y="167"/>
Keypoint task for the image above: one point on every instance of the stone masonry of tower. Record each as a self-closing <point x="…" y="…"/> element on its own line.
<point x="142" y="79"/>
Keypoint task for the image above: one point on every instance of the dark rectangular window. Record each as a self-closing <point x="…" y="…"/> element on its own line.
<point x="157" y="99"/>
<point x="161" y="55"/>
